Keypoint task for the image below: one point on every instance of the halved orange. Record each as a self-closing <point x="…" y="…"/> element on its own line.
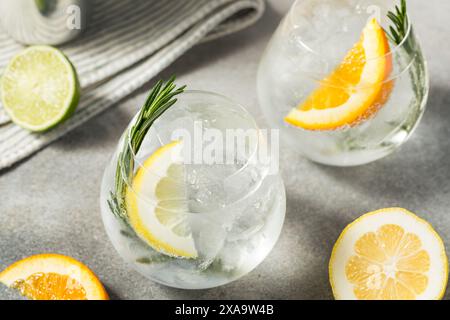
<point x="53" y="277"/>
<point x="357" y="89"/>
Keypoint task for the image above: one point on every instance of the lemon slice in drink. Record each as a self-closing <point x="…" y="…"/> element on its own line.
<point x="389" y="254"/>
<point x="39" y="88"/>
<point x="156" y="203"/>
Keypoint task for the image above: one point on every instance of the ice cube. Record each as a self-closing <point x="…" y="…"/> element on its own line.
<point x="231" y="257"/>
<point x="209" y="237"/>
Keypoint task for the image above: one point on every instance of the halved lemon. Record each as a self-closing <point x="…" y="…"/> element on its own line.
<point x="157" y="206"/>
<point x="53" y="277"/>
<point x="389" y="254"/>
<point x="354" y="91"/>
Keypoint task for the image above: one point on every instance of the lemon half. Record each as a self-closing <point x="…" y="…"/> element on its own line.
<point x="389" y="254"/>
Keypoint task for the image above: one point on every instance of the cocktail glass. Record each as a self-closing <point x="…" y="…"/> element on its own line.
<point x="203" y="207"/>
<point x="306" y="55"/>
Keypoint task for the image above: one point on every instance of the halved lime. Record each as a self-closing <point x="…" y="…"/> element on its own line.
<point x="39" y="88"/>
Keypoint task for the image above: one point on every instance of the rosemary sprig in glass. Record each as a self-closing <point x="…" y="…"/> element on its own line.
<point x="399" y="18"/>
<point x="161" y="98"/>
<point x="401" y="33"/>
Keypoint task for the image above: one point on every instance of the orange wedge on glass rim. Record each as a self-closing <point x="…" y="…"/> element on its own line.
<point x="354" y="91"/>
<point x="53" y="277"/>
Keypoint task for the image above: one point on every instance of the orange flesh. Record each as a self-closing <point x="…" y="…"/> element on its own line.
<point x="50" y="286"/>
<point x="337" y="89"/>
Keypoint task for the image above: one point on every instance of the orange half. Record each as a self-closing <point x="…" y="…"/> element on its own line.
<point x="355" y="90"/>
<point x="53" y="277"/>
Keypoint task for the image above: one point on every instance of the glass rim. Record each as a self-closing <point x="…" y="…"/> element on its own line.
<point x="217" y="95"/>
<point x="241" y="170"/>
<point x="391" y="78"/>
<point x="234" y="202"/>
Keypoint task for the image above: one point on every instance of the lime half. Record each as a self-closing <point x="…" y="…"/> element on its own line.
<point x="39" y="88"/>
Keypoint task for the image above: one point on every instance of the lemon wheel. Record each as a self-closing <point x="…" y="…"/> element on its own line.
<point x="389" y="254"/>
<point x="156" y="203"/>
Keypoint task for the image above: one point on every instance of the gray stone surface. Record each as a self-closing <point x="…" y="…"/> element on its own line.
<point x="50" y="203"/>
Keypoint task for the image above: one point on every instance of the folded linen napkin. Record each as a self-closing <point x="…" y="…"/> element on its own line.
<point x="127" y="43"/>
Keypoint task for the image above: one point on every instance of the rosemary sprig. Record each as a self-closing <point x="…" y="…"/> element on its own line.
<point x="398" y="31"/>
<point x="161" y="98"/>
<point x="401" y="33"/>
<point x="399" y="18"/>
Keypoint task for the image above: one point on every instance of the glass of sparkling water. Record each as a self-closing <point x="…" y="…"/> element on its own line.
<point x="204" y="205"/>
<point x="340" y="89"/>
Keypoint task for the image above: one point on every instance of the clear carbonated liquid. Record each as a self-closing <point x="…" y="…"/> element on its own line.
<point x="234" y="211"/>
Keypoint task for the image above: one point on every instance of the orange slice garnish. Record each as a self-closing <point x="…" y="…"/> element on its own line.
<point x="53" y="277"/>
<point x="357" y="89"/>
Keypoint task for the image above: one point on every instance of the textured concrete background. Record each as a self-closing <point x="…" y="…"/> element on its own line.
<point x="50" y="203"/>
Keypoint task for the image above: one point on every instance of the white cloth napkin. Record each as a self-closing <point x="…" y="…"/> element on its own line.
<point x="127" y="43"/>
